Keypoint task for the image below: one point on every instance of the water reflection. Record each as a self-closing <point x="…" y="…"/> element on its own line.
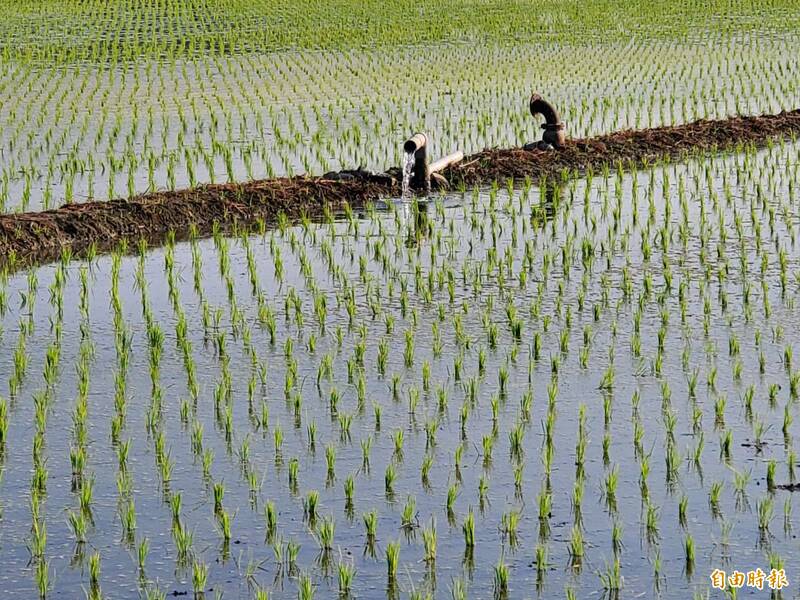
<point x="414" y="221"/>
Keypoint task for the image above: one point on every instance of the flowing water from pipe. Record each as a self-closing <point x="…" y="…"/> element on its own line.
<point x="408" y="165"/>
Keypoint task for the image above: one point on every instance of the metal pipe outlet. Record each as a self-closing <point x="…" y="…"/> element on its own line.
<point x="554" y="133"/>
<point x="417" y="145"/>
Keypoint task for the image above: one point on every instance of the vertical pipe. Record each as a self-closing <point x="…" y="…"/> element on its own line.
<point x="420" y="177"/>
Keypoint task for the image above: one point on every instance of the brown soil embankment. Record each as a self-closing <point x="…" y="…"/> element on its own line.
<point x="36" y="237"/>
<point x="632" y="147"/>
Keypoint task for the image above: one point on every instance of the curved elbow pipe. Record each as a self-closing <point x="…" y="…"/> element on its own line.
<point x="540" y="106"/>
<point x="553" y="127"/>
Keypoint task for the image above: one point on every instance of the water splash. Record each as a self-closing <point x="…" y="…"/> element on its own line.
<point x="408" y="166"/>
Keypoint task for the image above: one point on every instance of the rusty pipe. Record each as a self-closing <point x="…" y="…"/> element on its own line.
<point x="420" y="176"/>
<point x="554" y="133"/>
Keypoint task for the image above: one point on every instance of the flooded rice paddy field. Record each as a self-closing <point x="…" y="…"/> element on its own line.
<point x="111" y="100"/>
<point x="555" y="389"/>
<point x="580" y="389"/>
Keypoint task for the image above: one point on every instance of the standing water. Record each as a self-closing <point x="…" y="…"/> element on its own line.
<point x="408" y="165"/>
<point x="522" y="305"/>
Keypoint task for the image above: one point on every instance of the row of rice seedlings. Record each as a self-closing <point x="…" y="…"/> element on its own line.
<point x="65" y="33"/>
<point x="163" y="123"/>
<point x="43" y="406"/>
<point x="479" y="404"/>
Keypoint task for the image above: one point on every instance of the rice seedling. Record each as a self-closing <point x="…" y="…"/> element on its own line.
<point x="468" y="528"/>
<point x="452" y="494"/>
<point x="458" y="589"/>
<point x="142" y="551"/>
<point x="224" y="525"/>
<point x="305" y="587"/>
<point x="397" y="437"/>
<point x="408" y="515"/>
<point x="346" y="573"/>
<point x="765" y="511"/>
<point x="576" y="544"/>
<point x="271" y="518"/>
<point x="388" y="479"/>
<point x="292" y="552"/>
<point x="611" y="480"/>
<point x="366" y="446"/>
<point x="607" y="379"/>
<point x="611" y="579"/>
<point x="371" y="524"/>
<point x="184" y="540"/>
<point x="714" y="495"/>
<point x="38" y="541"/>
<point x="689" y="551"/>
<point x="392" y="559"/>
<point x="330" y="460"/>
<point x="199" y="577"/>
<point x="43" y="582"/>
<point x="771" y="469"/>
<point x="310" y="505"/>
<point x="501" y="576"/>
<point x="94" y="570"/>
<point x="541" y="560"/>
<point x="219" y="494"/>
<point x="325" y="533"/>
<point x="429" y="542"/>
<point x="616" y="537"/>
<point x="78" y="524"/>
<point x="128" y="518"/>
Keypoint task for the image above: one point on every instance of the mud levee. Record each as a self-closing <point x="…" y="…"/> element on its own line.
<point x="37" y="237"/>
<point x="632" y="148"/>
